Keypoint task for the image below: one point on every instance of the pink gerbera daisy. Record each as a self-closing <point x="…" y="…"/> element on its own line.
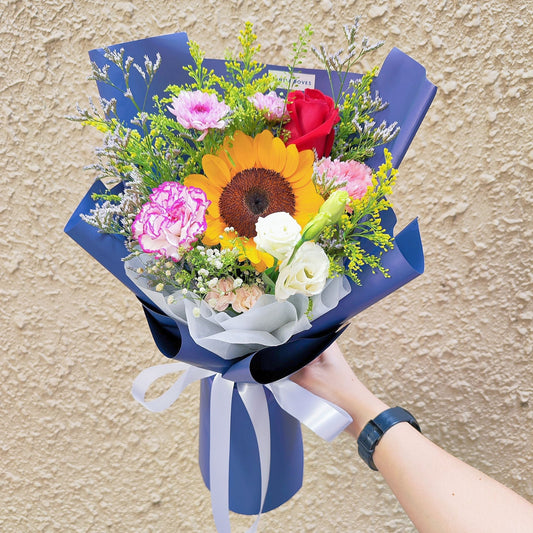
<point x="200" y="111"/>
<point x="273" y="107"/>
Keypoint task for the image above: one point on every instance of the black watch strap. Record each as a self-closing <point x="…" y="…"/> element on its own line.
<point x="376" y="428"/>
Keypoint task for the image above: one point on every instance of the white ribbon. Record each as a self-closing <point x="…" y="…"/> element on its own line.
<point x="219" y="444"/>
<point x="254" y="399"/>
<point x="324" y="418"/>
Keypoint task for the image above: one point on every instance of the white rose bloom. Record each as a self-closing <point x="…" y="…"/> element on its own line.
<point x="277" y="234"/>
<point x="306" y="274"/>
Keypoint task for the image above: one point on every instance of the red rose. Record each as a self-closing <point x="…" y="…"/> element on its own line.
<point x="312" y="117"/>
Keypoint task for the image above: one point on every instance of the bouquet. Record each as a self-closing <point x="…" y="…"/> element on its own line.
<point x="247" y="206"/>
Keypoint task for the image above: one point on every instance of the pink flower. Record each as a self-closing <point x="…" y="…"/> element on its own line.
<point x="271" y="104"/>
<point x="221" y="296"/>
<point x="245" y="297"/>
<point x="350" y="176"/>
<point x="198" y="110"/>
<point x="172" y="221"/>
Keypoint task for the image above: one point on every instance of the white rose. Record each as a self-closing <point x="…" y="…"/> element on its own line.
<point x="306" y="274"/>
<point x="277" y="234"/>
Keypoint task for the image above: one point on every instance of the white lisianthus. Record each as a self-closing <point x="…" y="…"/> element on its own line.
<point x="306" y="274"/>
<point x="277" y="234"/>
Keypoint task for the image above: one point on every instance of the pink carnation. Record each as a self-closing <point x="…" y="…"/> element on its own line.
<point x="271" y="104"/>
<point x="198" y="110"/>
<point x="350" y="176"/>
<point x="172" y="221"/>
<point x="221" y="296"/>
<point x="245" y="297"/>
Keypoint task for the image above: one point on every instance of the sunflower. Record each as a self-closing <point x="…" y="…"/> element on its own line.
<point x="251" y="178"/>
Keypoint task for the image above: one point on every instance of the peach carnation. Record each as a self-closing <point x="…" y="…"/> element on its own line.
<point x="245" y="297"/>
<point x="221" y="296"/>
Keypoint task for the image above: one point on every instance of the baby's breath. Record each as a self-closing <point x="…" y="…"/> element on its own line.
<point x="199" y="271"/>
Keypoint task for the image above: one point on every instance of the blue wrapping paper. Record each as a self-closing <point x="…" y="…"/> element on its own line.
<point x="286" y="460"/>
<point x="402" y="83"/>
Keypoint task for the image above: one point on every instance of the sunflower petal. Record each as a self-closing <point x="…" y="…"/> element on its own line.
<point x="260" y="260"/>
<point x="305" y="169"/>
<point x="242" y="151"/>
<point x="266" y="259"/>
<point x="307" y="158"/>
<point x="263" y="148"/>
<point x="275" y="157"/>
<point x="223" y="154"/>
<point x="308" y="200"/>
<point x="292" y="162"/>
<point x="215" y="228"/>
<point x="303" y="218"/>
<point x="301" y="178"/>
<point x="216" y="170"/>
<point x="252" y="253"/>
<point x="228" y="239"/>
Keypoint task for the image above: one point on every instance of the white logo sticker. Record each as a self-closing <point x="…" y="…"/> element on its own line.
<point x="300" y="81"/>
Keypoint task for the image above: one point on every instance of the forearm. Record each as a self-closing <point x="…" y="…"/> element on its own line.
<point x="439" y="492"/>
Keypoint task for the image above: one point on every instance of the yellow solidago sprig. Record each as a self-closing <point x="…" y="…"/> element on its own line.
<point x="242" y="82"/>
<point x="214" y="107"/>
<point x="359" y="239"/>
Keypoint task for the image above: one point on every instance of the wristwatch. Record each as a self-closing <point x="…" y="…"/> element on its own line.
<point x="376" y="428"/>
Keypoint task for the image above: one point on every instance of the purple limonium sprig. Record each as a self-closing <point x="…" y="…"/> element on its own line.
<point x="200" y="111"/>
<point x="273" y="107"/>
<point x="170" y="223"/>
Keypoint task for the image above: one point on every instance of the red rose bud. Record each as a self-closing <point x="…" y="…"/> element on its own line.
<point x="312" y="118"/>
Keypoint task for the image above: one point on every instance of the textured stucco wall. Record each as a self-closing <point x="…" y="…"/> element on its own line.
<point x="78" y="454"/>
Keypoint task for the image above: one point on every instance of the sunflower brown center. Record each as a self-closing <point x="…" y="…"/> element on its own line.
<point x="254" y="193"/>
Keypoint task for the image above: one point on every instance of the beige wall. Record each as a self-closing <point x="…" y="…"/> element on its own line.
<point x="76" y="452"/>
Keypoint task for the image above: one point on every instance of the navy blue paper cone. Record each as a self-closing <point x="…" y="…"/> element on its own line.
<point x="174" y="341"/>
<point x="403" y="84"/>
<point x="108" y="250"/>
<point x="286" y="460"/>
<point x="174" y="54"/>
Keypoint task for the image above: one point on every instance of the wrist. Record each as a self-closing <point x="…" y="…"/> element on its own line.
<point x="362" y="406"/>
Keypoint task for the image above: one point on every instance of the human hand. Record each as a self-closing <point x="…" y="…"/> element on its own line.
<point x="330" y="377"/>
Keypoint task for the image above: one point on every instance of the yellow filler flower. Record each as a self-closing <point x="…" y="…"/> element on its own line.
<point x="251" y="178"/>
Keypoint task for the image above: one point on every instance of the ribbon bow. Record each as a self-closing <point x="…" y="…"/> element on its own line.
<point x="324" y="418"/>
